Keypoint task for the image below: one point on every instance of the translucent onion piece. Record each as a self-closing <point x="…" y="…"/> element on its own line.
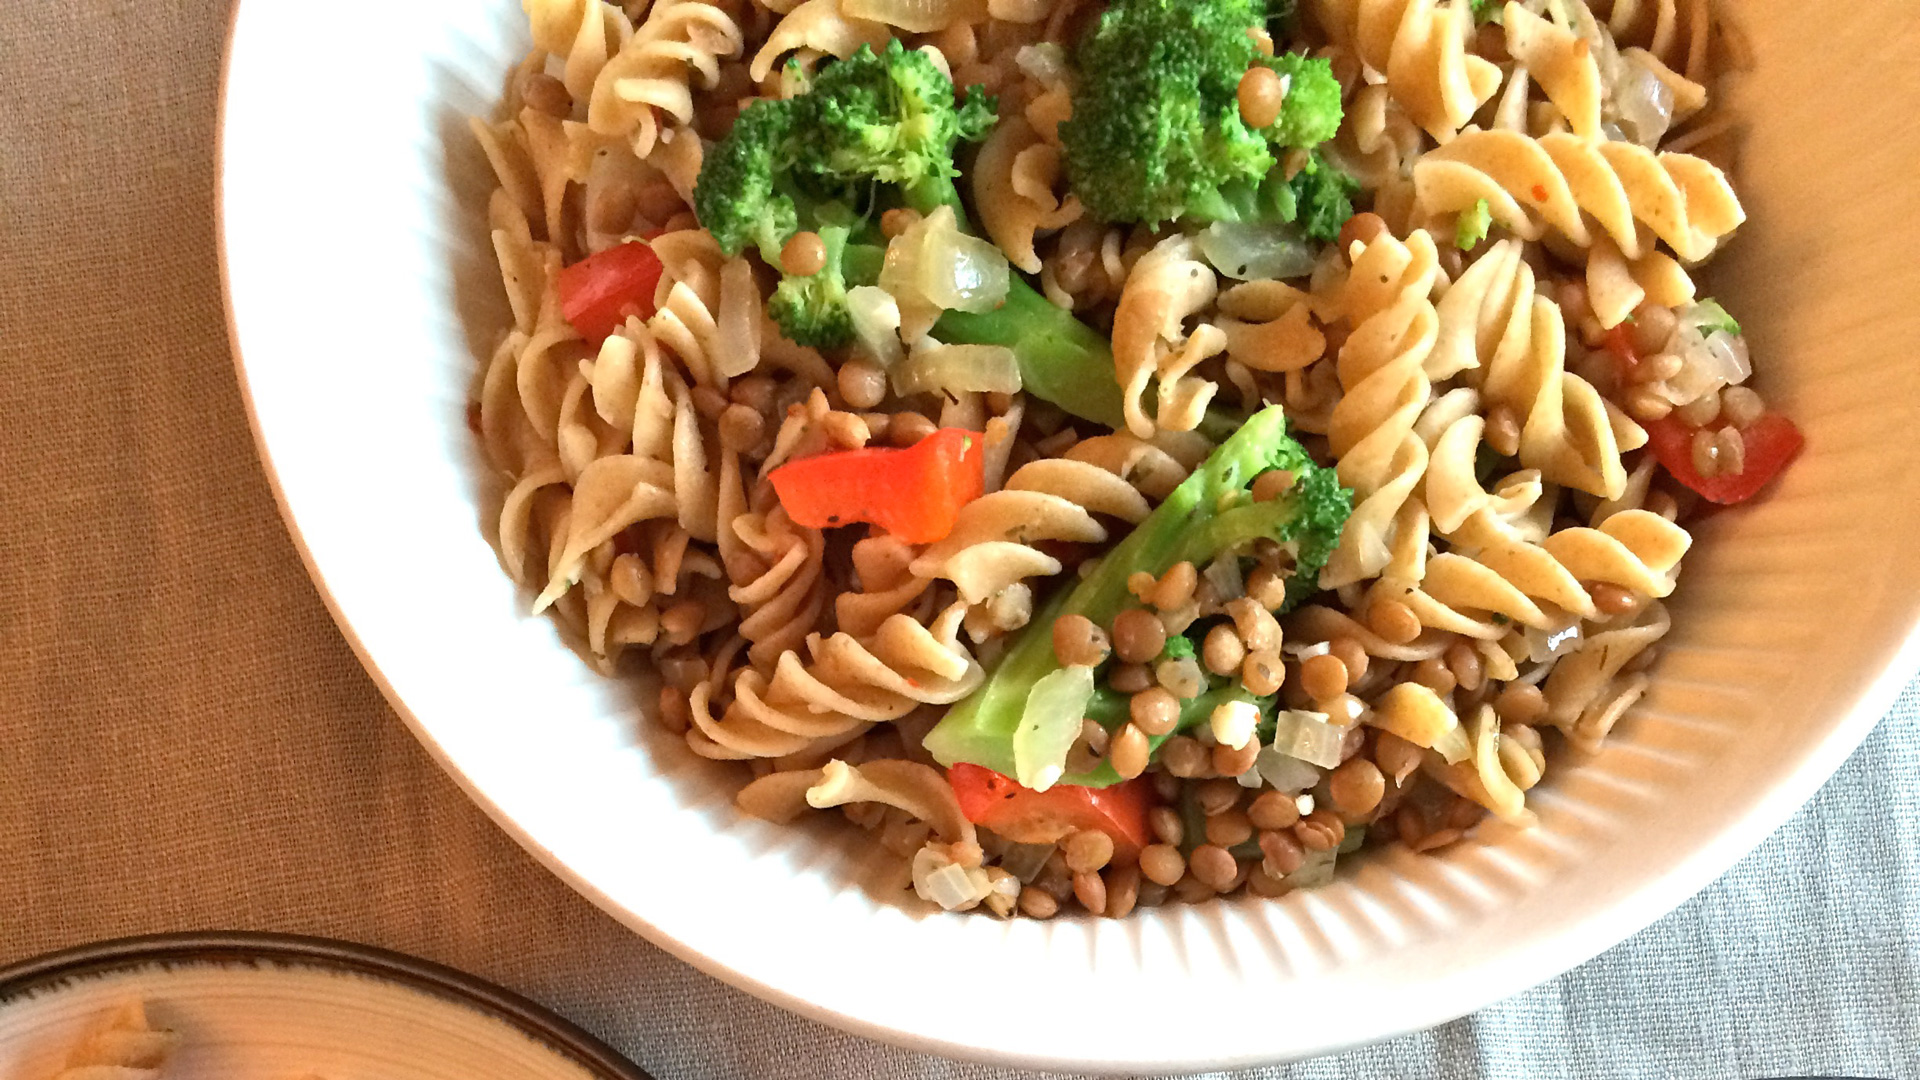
<point x="955" y="369"/>
<point x="1642" y="104"/>
<point x="1709" y="358"/>
<point x="1224" y="575"/>
<point x="1049" y="725"/>
<point x="1045" y="62"/>
<point x="1308" y="736"/>
<point x="1233" y="722"/>
<point x="876" y="323"/>
<point x="1283" y="772"/>
<point x="1316" y="870"/>
<point x="939" y="879"/>
<point x="1253" y="252"/>
<point x="963" y="273"/>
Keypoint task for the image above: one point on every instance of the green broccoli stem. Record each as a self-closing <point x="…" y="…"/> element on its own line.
<point x="1061" y="359"/>
<point x="1189" y="526"/>
<point x="1109" y="709"/>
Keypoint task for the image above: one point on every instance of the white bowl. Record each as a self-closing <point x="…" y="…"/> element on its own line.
<point x="361" y="289"/>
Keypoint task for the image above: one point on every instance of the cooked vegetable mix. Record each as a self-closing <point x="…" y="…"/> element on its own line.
<point x="1119" y="453"/>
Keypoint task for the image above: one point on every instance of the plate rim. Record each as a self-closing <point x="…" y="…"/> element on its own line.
<point x="562" y="1036"/>
<point x="1569" y="948"/>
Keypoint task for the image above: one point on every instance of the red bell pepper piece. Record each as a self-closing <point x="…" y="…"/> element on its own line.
<point x="1771" y="442"/>
<point x="1026" y="816"/>
<point x="1619" y="342"/>
<point x="600" y="291"/>
<point x="915" y="493"/>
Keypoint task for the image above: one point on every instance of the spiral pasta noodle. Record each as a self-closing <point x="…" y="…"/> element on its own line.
<point x="1420" y="46"/>
<point x="1559" y="179"/>
<point x="1152" y="345"/>
<point x="126" y="1047"/>
<point x="1014" y="185"/>
<point x="585" y="34"/>
<point x="652" y="72"/>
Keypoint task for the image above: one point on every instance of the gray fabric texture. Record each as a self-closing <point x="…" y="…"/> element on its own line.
<point x="187" y="743"/>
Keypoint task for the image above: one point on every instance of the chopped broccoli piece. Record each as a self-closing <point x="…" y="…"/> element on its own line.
<point x="1709" y="316"/>
<point x="873" y="130"/>
<point x="1311" y="113"/>
<point x="1209" y="514"/>
<point x="812" y="310"/>
<point x="1489" y="11"/>
<point x="1156" y="131"/>
<point x="1178" y="647"/>
<point x="1323" y="199"/>
<point x="1472" y="226"/>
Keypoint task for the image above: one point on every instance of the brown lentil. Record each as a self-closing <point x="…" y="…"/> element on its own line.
<point x="1706" y="453"/>
<point x="1214" y="866"/>
<point x="631" y="581"/>
<point x="1265" y="885"/>
<point x="681" y="622"/>
<point x="1464" y="814"/>
<point x="862" y="384"/>
<point x="1091" y="892"/>
<point x="1702" y="410"/>
<point x="1141" y="584"/>
<point x="1181" y="676"/>
<point x="753" y="391"/>
<point x="1087" y="850"/>
<point x="1038" y="904"/>
<point x="1138" y="637"/>
<point x="1262" y="673"/>
<point x="1503" y="431"/>
<point x="1644" y="404"/>
<point x="1184" y="757"/>
<point x="1352" y="654"/>
<point x="547" y="94"/>
<point x="1360" y="229"/>
<point x="1733" y="450"/>
<point x="804" y="255"/>
<point x="1611" y="599"/>
<point x="1653" y="327"/>
<point x="1175" y="587"/>
<point x="1741" y="406"/>
<point x="1223" y="651"/>
<point x="1123" y="890"/>
<point x="741" y="427"/>
<point x="1393" y="621"/>
<point x="898" y="220"/>
<point x="1191" y="890"/>
<point x="1272" y="484"/>
<point x="1229" y="829"/>
<point x="1129" y="751"/>
<point x="1464" y="661"/>
<point x="1321" y="830"/>
<point x="845" y="430"/>
<point x="1434" y="841"/>
<point x="1155" y="711"/>
<point x="1167" y="826"/>
<point x="1130" y="678"/>
<point x="1658" y="368"/>
<point x="1356" y="788"/>
<point x="1217" y="796"/>
<point x="1323" y="677"/>
<point x="1521" y="704"/>
<point x="1078" y="642"/>
<point x="675" y="714"/>
<point x="1281" y="852"/>
<point x="1267" y="588"/>
<point x="710" y="402"/>
<point x="1396" y="756"/>
<point x="1230" y="762"/>
<point x="1261" y="95"/>
<point x="1433" y="675"/>
<point x="908" y="428"/>
<point x="1273" y="810"/>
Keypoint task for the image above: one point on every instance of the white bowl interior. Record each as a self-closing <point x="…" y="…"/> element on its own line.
<point x="362" y="289"/>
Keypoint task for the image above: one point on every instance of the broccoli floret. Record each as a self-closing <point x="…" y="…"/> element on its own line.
<point x="1311" y="113"/>
<point x="872" y="131"/>
<point x="812" y="310"/>
<point x="1323" y="199"/>
<point x="1156" y="131"/>
<point x="1710" y="316"/>
<point x="1472" y="226"/>
<point x="1209" y="514"/>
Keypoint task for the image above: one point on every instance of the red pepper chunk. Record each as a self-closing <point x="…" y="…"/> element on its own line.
<point x="915" y="494"/>
<point x="600" y="291"/>
<point x="1026" y="816"/>
<point x="1771" y="442"/>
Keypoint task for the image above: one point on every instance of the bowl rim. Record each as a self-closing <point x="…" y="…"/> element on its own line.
<point x="1569" y="947"/>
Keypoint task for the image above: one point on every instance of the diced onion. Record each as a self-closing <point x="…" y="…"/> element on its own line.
<point x="1710" y="356"/>
<point x="1232" y="723"/>
<point x="1315" y="870"/>
<point x="1308" y="736"/>
<point x="876" y="323"/>
<point x="935" y="368"/>
<point x="1049" y="725"/>
<point x="939" y="879"/>
<point x="1642" y="104"/>
<point x="933" y="267"/>
<point x="1256" y="252"/>
<point x="1046" y="62"/>
<point x="1224" y="575"/>
<point x="1283" y="772"/>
